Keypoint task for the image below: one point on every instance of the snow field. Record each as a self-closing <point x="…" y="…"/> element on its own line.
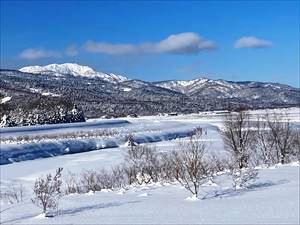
<point x="272" y="199"/>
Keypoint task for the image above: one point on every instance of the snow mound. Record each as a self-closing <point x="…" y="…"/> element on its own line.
<point x="210" y="183"/>
<point x="90" y="193"/>
<point x="5" y="99"/>
<point x="40" y="216"/>
<point x="143" y="195"/>
<point x="121" y="192"/>
<point x="192" y="198"/>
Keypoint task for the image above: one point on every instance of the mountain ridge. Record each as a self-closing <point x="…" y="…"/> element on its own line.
<point x="99" y="96"/>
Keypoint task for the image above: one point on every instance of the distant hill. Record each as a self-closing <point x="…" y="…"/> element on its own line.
<point x="98" y="93"/>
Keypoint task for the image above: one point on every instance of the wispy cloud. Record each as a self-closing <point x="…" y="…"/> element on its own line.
<point x="252" y="42"/>
<point x="183" y="43"/>
<point x="107" y="48"/>
<point x="38" y="53"/>
<point x="190" y="68"/>
<point x="71" y="50"/>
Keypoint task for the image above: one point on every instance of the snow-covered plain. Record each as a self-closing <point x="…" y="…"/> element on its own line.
<point x="272" y="199"/>
<point x="27" y="143"/>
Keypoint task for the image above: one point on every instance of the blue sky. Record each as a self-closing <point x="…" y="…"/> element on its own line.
<point x="154" y="40"/>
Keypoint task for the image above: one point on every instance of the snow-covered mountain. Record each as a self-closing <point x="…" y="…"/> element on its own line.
<point x="74" y="70"/>
<point x="183" y="86"/>
<point x="223" y="88"/>
<point x="107" y="94"/>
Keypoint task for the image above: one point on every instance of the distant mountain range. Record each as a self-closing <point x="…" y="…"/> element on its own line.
<point x="98" y="93"/>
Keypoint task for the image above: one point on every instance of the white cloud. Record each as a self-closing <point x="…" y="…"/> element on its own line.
<point x="37" y="53"/>
<point x="112" y="49"/>
<point x="71" y="50"/>
<point x="252" y="42"/>
<point x="183" y="43"/>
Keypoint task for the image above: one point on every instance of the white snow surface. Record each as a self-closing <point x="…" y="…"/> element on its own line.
<point x="5" y="99"/>
<point x="272" y="199"/>
<point x="72" y="69"/>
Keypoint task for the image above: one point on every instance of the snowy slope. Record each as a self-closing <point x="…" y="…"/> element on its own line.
<point x="74" y="70"/>
<point x="183" y="86"/>
<point x="223" y="88"/>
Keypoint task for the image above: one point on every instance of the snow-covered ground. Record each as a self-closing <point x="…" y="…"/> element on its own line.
<point x="272" y="199"/>
<point x="27" y="143"/>
<point x="5" y="99"/>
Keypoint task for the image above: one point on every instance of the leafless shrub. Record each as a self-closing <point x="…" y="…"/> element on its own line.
<point x="142" y="162"/>
<point x="296" y="145"/>
<point x="119" y="178"/>
<point x="189" y="167"/>
<point x="72" y="183"/>
<point x="166" y="167"/>
<point x="219" y="164"/>
<point x="47" y="192"/>
<point x="105" y="179"/>
<point x="130" y="172"/>
<point x="14" y="193"/>
<point x="89" y="181"/>
<point x="238" y="137"/>
<point x="282" y="135"/>
<point x="265" y="143"/>
<point x="243" y="177"/>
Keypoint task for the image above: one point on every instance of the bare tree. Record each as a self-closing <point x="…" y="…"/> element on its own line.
<point x="265" y="142"/>
<point x="296" y="144"/>
<point x="189" y="166"/>
<point x="238" y="137"/>
<point x="47" y="191"/>
<point x="282" y="135"/>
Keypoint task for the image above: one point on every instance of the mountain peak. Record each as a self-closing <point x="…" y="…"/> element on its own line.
<point x="73" y="69"/>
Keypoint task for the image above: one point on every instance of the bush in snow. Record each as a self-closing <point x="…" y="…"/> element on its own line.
<point x="72" y="184"/>
<point x="119" y="178"/>
<point x="47" y="192"/>
<point x="189" y="167"/>
<point x="296" y="145"/>
<point x="89" y="181"/>
<point x="142" y="162"/>
<point x="264" y="143"/>
<point x="166" y="167"/>
<point x="243" y="177"/>
<point x="14" y="193"/>
<point x="238" y="137"/>
<point x="282" y="135"/>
